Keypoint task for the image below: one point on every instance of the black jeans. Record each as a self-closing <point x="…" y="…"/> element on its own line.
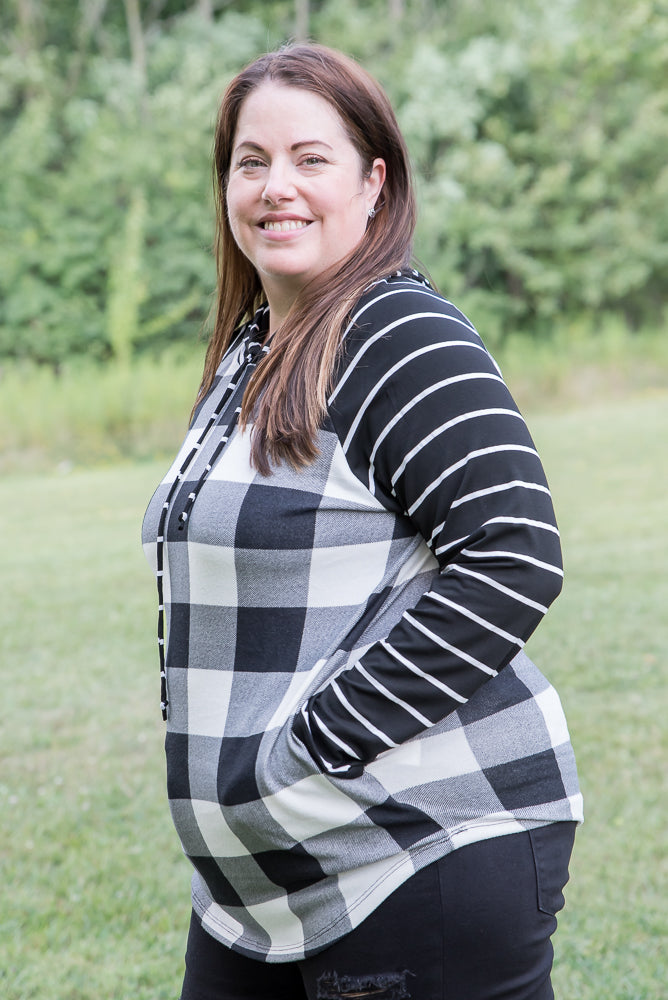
<point x="475" y="925"/>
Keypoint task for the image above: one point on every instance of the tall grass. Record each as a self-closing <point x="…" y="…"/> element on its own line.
<point x="90" y="413"/>
<point x="578" y="365"/>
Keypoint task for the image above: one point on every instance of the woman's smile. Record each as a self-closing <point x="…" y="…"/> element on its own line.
<point x="284" y="225"/>
<point x="281" y="227"/>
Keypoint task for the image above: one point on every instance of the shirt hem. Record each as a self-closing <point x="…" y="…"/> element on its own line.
<point x="420" y="857"/>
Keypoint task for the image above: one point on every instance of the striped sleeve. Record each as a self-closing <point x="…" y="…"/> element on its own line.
<point x="427" y="423"/>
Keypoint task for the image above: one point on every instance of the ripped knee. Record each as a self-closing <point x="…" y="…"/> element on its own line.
<point x="381" y="986"/>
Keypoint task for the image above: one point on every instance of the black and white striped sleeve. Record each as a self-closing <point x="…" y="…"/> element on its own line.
<point x="427" y="422"/>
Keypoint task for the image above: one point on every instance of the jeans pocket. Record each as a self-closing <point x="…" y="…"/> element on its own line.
<point x="552" y="846"/>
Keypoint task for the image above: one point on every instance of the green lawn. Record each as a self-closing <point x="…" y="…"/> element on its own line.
<point x="95" y="892"/>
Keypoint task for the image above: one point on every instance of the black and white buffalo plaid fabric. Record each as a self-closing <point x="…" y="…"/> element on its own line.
<point x="346" y="694"/>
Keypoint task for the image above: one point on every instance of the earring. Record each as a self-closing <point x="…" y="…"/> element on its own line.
<point x="371" y="213"/>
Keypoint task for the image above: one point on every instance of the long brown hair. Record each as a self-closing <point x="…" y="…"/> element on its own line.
<point x="287" y="394"/>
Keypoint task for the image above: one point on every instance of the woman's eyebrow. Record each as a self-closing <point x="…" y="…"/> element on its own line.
<point x="309" y="142"/>
<point x="293" y="148"/>
<point x="251" y="145"/>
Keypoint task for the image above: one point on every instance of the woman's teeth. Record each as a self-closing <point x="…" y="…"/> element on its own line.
<point x="284" y="227"/>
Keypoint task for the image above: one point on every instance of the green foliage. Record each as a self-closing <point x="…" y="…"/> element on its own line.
<point x="77" y="168"/>
<point x="126" y="285"/>
<point x="543" y="171"/>
<point x="538" y="133"/>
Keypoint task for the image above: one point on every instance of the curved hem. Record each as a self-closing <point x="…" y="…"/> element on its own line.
<point x="419" y="857"/>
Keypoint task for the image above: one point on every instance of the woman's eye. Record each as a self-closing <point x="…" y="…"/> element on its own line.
<point x="313" y="160"/>
<point x="251" y="163"/>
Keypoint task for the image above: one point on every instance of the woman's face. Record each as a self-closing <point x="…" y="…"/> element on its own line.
<point x="297" y="197"/>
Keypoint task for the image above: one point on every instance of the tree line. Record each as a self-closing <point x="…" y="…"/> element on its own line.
<point x="537" y="131"/>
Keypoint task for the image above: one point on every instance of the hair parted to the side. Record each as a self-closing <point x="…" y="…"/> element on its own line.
<point x="287" y="394"/>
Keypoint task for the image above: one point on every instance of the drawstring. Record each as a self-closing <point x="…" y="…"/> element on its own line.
<point x="251" y="357"/>
<point x="254" y="350"/>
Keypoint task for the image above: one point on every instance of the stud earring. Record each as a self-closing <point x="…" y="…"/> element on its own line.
<point x="371" y="213"/>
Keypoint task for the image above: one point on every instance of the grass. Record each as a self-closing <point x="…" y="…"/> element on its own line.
<point x="93" y="414"/>
<point x="605" y="644"/>
<point x="95" y="890"/>
<point x="94" y="885"/>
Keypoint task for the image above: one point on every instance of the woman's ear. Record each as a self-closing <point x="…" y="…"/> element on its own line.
<point x="373" y="182"/>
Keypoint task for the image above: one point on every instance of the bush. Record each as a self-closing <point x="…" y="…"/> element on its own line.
<point x="538" y="136"/>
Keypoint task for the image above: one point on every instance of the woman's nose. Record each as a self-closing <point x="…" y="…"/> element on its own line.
<point x="280" y="184"/>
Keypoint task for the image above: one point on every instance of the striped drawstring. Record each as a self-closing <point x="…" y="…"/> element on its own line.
<point x="254" y="350"/>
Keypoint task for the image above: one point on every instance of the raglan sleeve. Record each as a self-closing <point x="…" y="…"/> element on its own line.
<point x="427" y="422"/>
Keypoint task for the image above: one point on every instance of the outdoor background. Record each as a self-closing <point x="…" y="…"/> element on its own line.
<point x="539" y="137"/>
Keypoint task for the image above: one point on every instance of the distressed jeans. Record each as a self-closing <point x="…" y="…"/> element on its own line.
<point x="475" y="925"/>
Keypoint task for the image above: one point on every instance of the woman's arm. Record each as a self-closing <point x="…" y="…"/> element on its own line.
<point x="428" y="424"/>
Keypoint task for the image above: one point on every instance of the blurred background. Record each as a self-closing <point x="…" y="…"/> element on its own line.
<point x="539" y="137"/>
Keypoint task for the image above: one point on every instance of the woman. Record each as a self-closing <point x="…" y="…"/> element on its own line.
<point x="374" y="784"/>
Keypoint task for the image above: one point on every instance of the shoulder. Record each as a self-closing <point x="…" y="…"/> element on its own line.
<point x="406" y="299"/>
<point x="401" y="326"/>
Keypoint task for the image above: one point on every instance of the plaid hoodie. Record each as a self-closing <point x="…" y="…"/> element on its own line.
<point x="346" y="695"/>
